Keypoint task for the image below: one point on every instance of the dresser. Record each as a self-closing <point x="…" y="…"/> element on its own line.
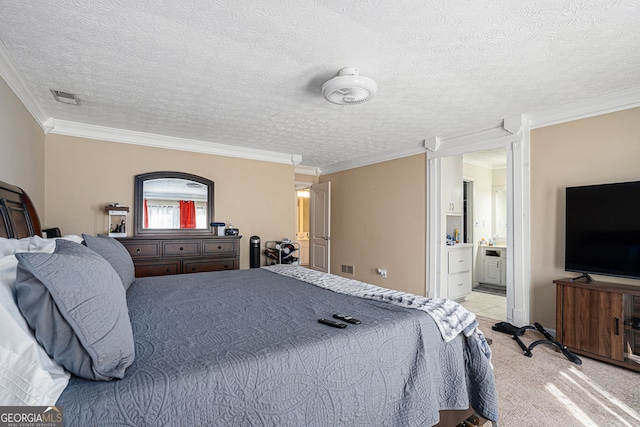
<point x="159" y="256"/>
<point x="459" y="270"/>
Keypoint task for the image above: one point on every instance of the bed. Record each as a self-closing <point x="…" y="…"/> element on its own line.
<point x="226" y="348"/>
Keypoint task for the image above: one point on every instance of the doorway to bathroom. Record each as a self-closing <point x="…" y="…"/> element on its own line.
<point x="485" y="216"/>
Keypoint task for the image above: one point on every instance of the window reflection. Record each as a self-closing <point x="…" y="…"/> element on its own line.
<point x="173" y="203"/>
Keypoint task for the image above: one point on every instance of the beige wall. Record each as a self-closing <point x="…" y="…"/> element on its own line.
<point x="499" y="177"/>
<point x="84" y="175"/>
<point x="597" y="150"/>
<point x="378" y="221"/>
<point x="22" y="147"/>
<point x="307" y="179"/>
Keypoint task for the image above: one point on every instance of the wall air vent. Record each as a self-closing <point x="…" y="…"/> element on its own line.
<point x="347" y="269"/>
<point x="65" y="97"/>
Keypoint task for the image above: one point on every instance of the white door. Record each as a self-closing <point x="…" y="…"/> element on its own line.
<point x="319" y="226"/>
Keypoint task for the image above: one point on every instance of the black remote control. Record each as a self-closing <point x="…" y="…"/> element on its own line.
<point x="346" y="318"/>
<point x="333" y="323"/>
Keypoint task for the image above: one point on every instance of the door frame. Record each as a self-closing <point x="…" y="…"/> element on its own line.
<point x="516" y="139"/>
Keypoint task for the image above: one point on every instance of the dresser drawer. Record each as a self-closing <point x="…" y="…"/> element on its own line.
<point x="180" y="248"/>
<point x="459" y="260"/>
<point x="143" y="249"/>
<point x="199" y="266"/>
<point x="212" y="247"/>
<point x="159" y="256"/>
<point x="459" y="284"/>
<point x="146" y="269"/>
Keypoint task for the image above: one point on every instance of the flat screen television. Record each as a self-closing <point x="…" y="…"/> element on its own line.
<point x="602" y="230"/>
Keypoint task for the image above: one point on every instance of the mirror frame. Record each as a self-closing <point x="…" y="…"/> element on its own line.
<point x="139" y="204"/>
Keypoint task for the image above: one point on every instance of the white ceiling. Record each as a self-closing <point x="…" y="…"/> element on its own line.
<point x="490" y="159"/>
<point x="248" y="73"/>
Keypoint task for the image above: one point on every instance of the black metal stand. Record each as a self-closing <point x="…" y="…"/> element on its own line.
<point x="516" y="333"/>
<point x="583" y="276"/>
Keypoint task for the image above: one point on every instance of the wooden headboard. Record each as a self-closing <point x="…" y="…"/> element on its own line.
<point x="18" y="216"/>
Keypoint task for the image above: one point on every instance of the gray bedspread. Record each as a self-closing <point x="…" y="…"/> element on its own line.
<point x="244" y="348"/>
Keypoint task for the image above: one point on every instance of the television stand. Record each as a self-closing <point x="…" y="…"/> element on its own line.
<point x="596" y="319"/>
<point x="583" y="276"/>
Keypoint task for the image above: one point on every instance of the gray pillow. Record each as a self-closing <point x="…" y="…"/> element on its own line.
<point x="117" y="255"/>
<point x="74" y="301"/>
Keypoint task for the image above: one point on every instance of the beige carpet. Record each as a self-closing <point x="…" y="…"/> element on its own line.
<point x="548" y="390"/>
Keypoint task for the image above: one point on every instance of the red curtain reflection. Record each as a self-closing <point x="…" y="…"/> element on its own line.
<point x="187" y="214"/>
<point x="146" y="214"/>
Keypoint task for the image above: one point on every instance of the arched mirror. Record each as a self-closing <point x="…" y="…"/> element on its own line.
<point x="173" y="203"/>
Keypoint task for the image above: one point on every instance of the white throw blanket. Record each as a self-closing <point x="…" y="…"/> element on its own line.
<point x="451" y="317"/>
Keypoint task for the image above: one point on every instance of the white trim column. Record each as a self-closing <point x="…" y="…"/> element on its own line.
<point x="519" y="225"/>
<point x="434" y="225"/>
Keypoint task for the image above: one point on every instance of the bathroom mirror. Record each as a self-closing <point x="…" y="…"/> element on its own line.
<point x="173" y="203"/>
<point x="500" y="213"/>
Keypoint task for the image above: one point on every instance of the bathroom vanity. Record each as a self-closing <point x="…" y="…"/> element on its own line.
<point x="493" y="264"/>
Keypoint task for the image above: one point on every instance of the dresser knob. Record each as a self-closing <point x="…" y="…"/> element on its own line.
<point x="138" y="250"/>
<point x="219" y="247"/>
<point x="168" y="270"/>
<point x="193" y="268"/>
<point x="181" y="248"/>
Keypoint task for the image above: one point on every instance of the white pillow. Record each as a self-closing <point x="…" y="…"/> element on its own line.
<point x="11" y="246"/>
<point x="32" y="244"/>
<point x="28" y="376"/>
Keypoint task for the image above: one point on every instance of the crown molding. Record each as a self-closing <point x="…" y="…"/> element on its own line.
<point x="12" y="75"/>
<point x="82" y="130"/>
<point x="484" y="139"/>
<point x="373" y="159"/>
<point x="447" y="146"/>
<point x="307" y="170"/>
<point x="509" y="128"/>
<point x="609" y="103"/>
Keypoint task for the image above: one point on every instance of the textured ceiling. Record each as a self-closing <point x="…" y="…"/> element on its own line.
<point x="248" y="73"/>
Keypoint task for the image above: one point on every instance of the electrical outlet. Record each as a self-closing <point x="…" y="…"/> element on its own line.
<point x="382" y="272"/>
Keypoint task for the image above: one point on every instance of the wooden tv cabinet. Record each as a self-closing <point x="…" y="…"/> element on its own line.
<point x="594" y="319"/>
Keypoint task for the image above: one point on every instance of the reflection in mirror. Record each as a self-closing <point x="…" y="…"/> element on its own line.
<point x="500" y="214"/>
<point x="173" y="202"/>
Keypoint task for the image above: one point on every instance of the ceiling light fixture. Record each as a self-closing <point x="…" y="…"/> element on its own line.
<point x="65" y="97"/>
<point x="348" y="87"/>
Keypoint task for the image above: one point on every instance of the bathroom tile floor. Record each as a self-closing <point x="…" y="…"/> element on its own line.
<point x="486" y="305"/>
